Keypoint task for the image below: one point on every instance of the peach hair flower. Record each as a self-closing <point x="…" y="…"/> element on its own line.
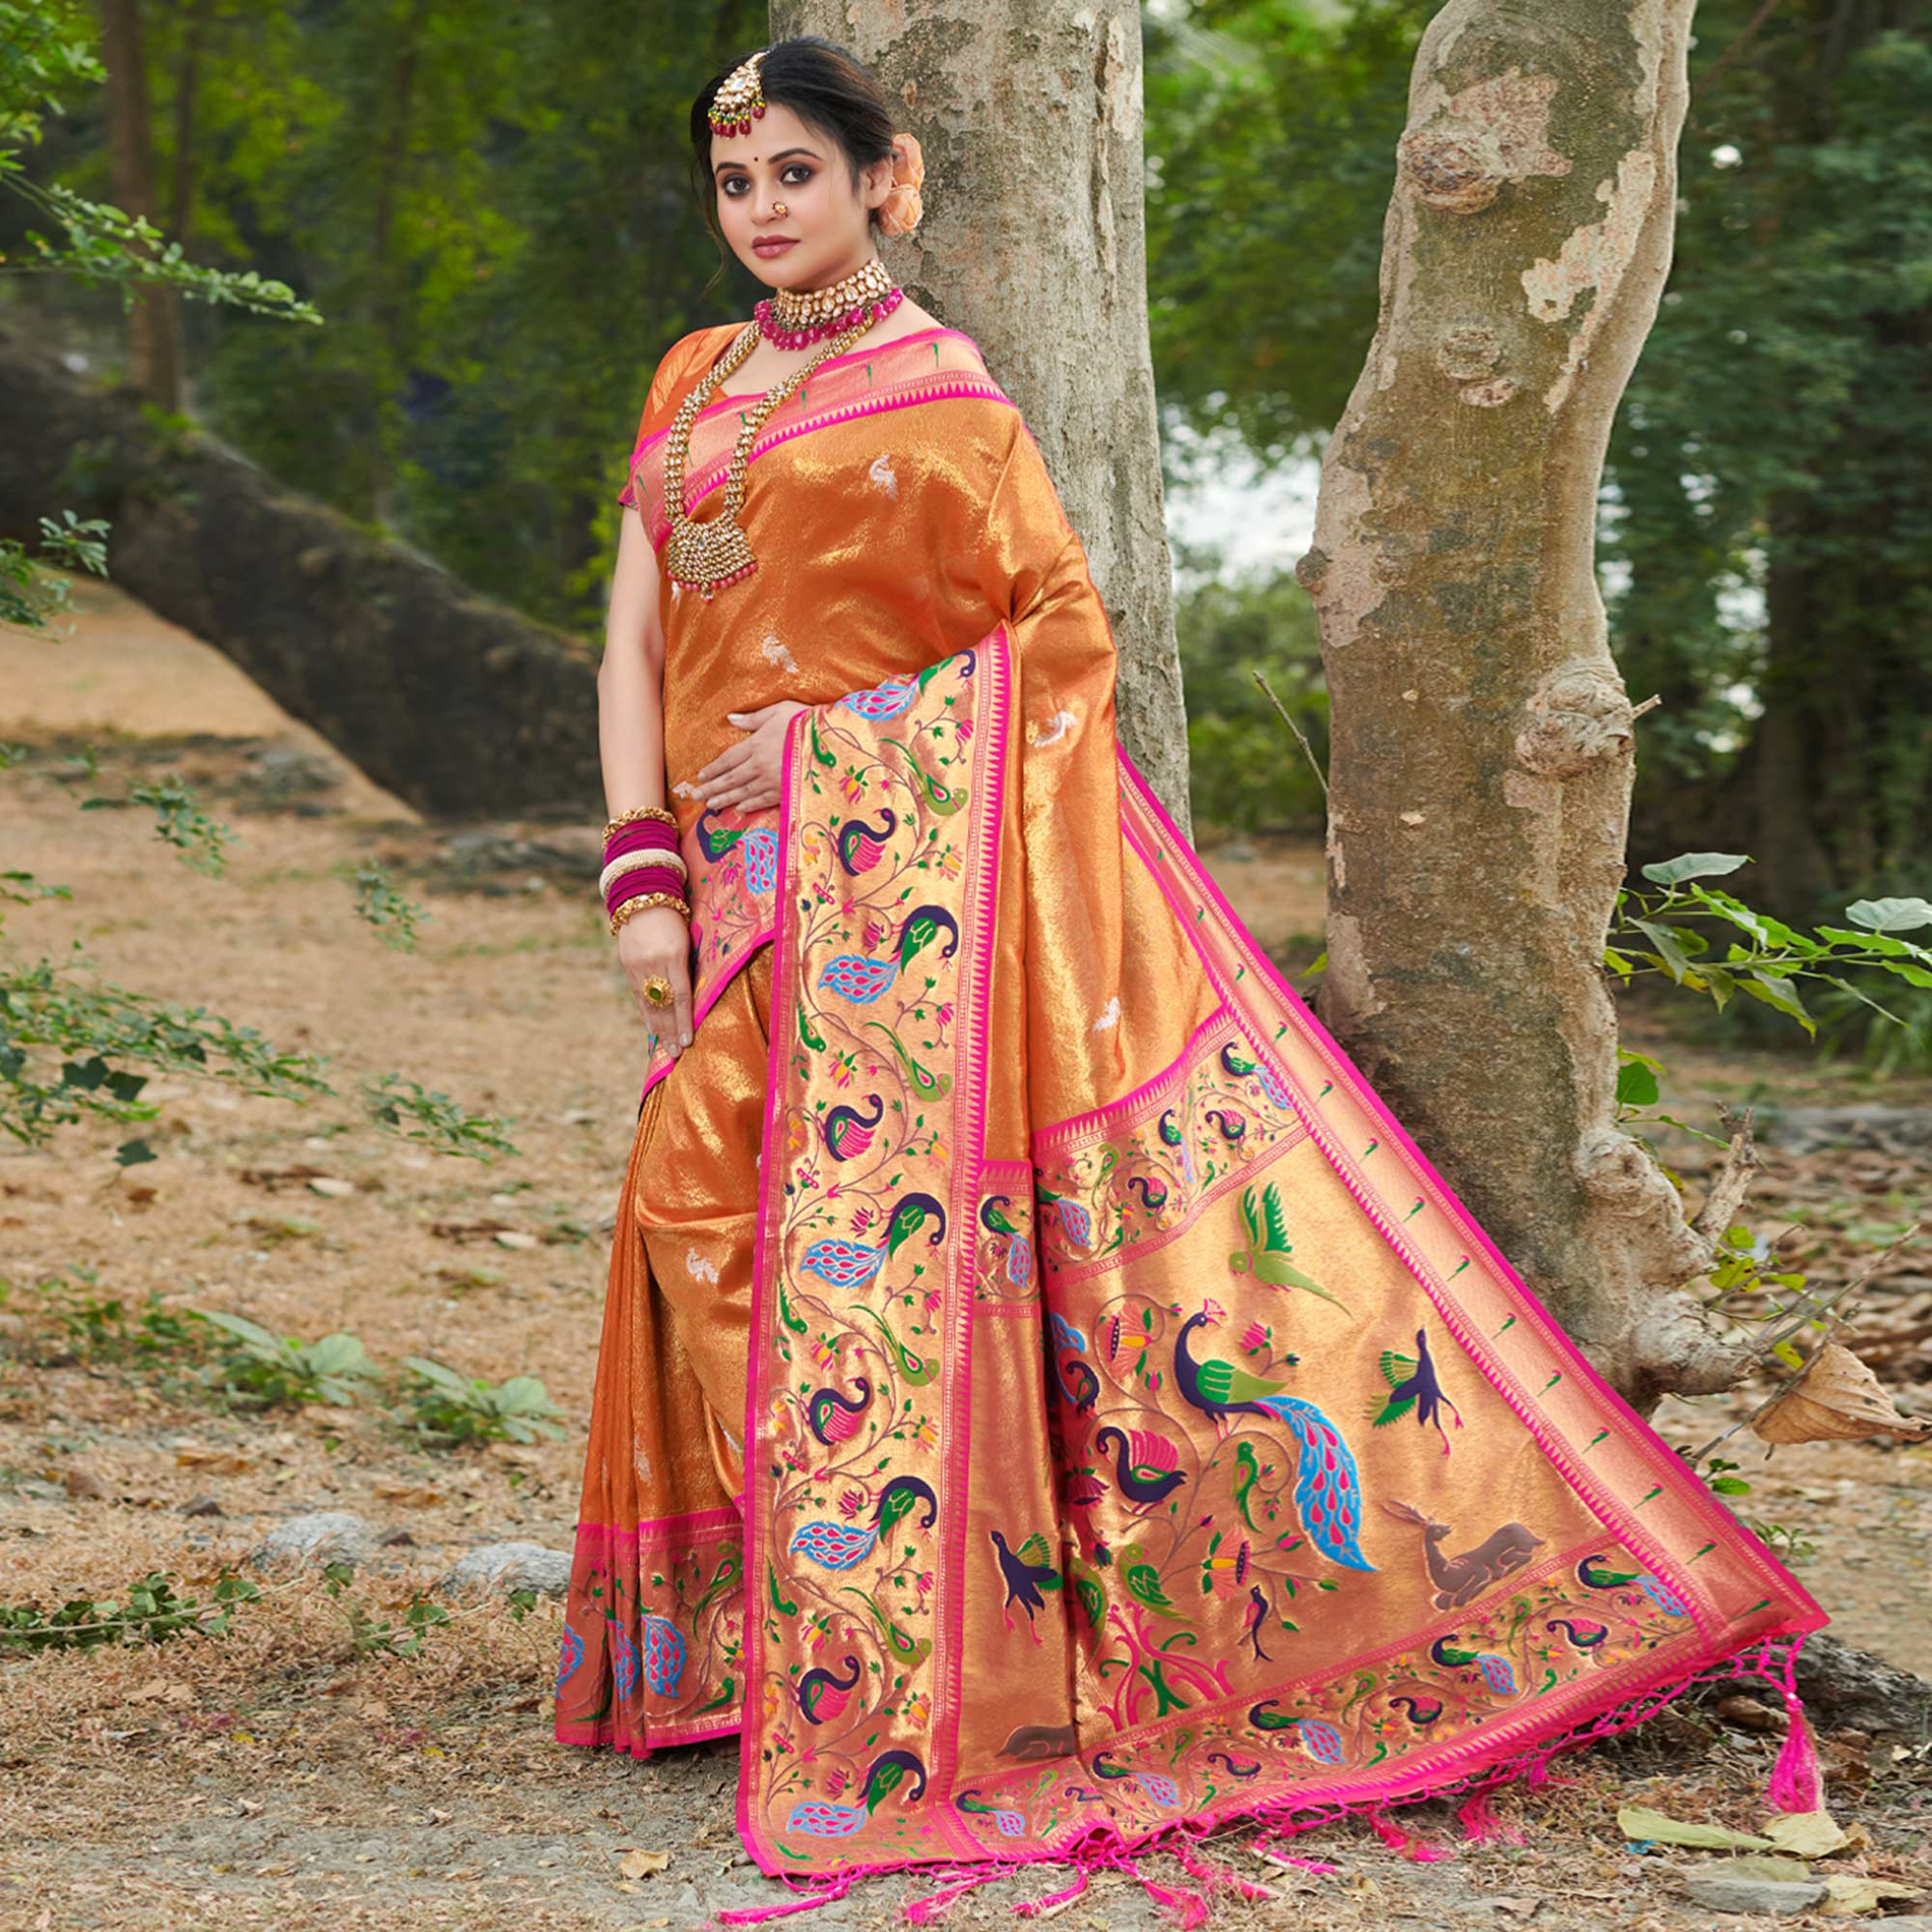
<point x="901" y="211"/>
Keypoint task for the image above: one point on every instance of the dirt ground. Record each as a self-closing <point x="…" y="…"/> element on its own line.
<point x="296" y="1771"/>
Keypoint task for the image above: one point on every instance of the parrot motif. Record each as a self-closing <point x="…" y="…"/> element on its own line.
<point x="1266" y="1256"/>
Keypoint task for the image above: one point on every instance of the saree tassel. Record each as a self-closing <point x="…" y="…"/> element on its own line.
<point x="1406" y="1842"/>
<point x="1215" y="1876"/>
<point x="1054" y="1901"/>
<point x="1263" y="1845"/>
<point x="936" y="1904"/>
<point x="749" y="1915"/>
<point x="1796" y="1779"/>
<point x="1189" y="1908"/>
<point x="1480" y="1824"/>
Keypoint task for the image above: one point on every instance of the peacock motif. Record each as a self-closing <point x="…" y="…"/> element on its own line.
<point x="822" y="1695"/>
<point x="664" y="1654"/>
<point x="1498" y="1672"/>
<point x="839" y="1545"/>
<point x="1593" y="1576"/>
<point x="880" y="703"/>
<point x="1327" y="1492"/>
<point x="849" y="1133"/>
<point x="889" y="1771"/>
<point x="832" y="1416"/>
<point x="855" y="977"/>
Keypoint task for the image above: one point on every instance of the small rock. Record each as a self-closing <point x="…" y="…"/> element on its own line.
<point x="335" y="1191"/>
<point x="203" y="1506"/>
<point x="325" y="1536"/>
<point x="511" y="1238"/>
<point x="1753" y="1895"/>
<point x="78" y="1482"/>
<point x="1911" y="1921"/>
<point x="396" y="1539"/>
<point x="511" y="1566"/>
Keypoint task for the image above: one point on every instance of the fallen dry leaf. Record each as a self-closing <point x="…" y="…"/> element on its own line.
<point x="412" y="1494"/>
<point x="636" y="1864"/>
<point x="1850" y="1894"/>
<point x="216" y="1462"/>
<point x="1640" y="1825"/>
<point x="1811" y="1835"/>
<point x="1836" y="1399"/>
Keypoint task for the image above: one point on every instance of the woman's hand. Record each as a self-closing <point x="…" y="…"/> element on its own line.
<point x="746" y="776"/>
<point x="658" y="941"/>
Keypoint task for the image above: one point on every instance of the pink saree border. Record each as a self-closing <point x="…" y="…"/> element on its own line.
<point x="969" y="1113"/>
<point x="784" y="1022"/>
<point x="832" y="363"/>
<point x="654" y="1534"/>
<point x="904" y="394"/>
<point x="1672" y="1473"/>
<point x="667" y="1532"/>
<point x="993" y="657"/>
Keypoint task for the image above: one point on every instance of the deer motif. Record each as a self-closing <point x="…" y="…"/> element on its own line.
<point x="1458" y="1578"/>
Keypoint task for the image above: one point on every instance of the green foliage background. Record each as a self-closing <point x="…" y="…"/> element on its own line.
<point x="490" y="207"/>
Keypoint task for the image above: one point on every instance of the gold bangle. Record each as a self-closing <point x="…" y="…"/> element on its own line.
<point x="632" y="813"/>
<point x="643" y="900"/>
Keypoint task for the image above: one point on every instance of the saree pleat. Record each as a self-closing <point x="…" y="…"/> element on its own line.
<point x="1138" y="1431"/>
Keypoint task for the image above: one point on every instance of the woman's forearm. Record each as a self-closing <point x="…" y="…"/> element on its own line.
<point x="630" y="680"/>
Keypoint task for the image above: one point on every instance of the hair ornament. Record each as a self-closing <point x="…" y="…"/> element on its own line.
<point x="740" y="99"/>
<point x="901" y="211"/>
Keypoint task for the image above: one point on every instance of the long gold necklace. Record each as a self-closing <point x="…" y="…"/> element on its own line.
<point x="703" y="557"/>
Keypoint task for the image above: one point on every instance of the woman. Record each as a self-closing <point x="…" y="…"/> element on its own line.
<point x="1139" y="1432"/>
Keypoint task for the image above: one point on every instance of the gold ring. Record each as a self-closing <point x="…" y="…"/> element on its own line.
<point x="657" y="990"/>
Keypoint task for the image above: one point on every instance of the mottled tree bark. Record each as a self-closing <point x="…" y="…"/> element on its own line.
<point x="1029" y="114"/>
<point x="1482" y="741"/>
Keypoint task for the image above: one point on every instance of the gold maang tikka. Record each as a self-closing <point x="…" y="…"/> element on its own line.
<point x="740" y="99"/>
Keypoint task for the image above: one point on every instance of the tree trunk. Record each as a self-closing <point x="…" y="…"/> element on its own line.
<point x="1482" y="741"/>
<point x="456" y="705"/>
<point x="153" y="321"/>
<point x="1034" y="242"/>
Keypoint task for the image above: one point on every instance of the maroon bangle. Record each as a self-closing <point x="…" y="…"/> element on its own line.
<point x="651" y="836"/>
<point x="645" y="879"/>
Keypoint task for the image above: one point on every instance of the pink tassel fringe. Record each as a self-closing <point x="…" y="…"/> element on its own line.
<point x="1796" y="1784"/>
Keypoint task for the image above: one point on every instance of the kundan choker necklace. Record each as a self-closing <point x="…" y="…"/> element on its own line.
<point x="797" y="318"/>
<point x="703" y="557"/>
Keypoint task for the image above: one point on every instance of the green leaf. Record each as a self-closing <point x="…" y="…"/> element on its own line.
<point x="1694" y="865"/>
<point x="1636" y="1086"/>
<point x="1891" y="915"/>
<point x="1778" y="993"/>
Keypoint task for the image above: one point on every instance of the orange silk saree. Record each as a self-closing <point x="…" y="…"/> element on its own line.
<point x="1047" y="1403"/>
